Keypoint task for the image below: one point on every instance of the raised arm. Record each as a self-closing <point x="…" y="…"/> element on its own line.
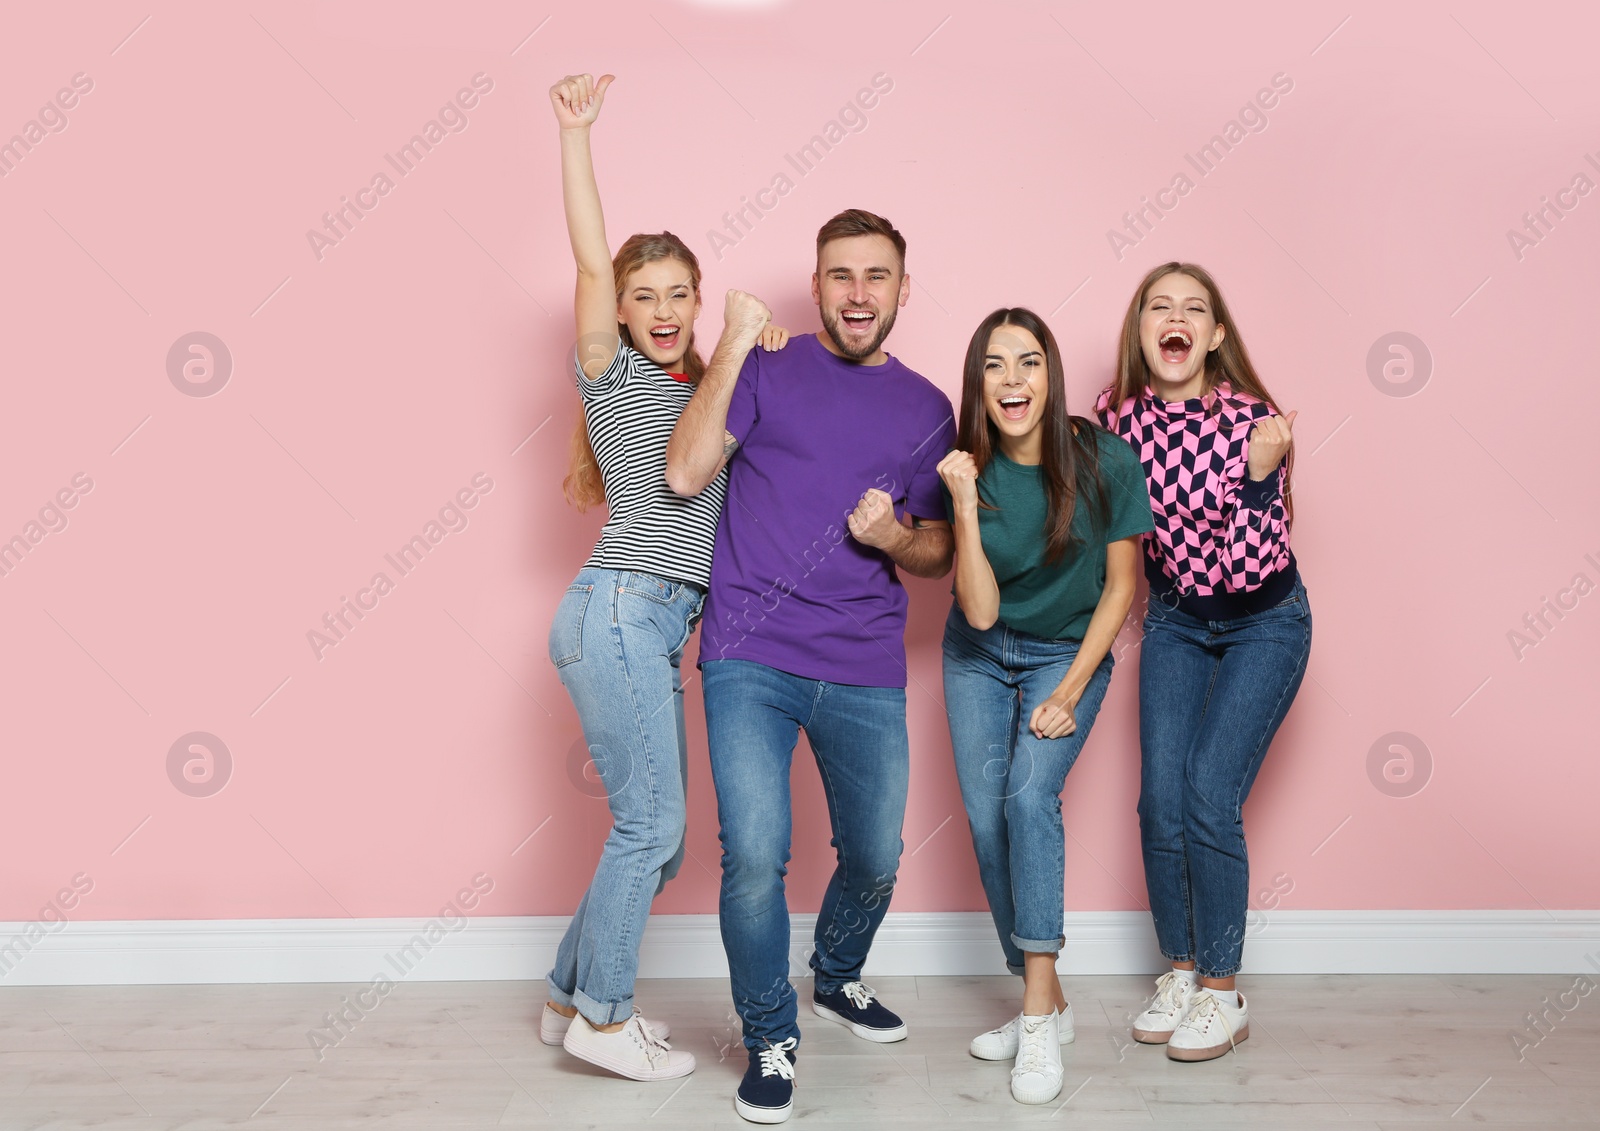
<point x="920" y="546"/>
<point x="976" y="590"/>
<point x="700" y="442"/>
<point x="576" y="100"/>
<point x="1257" y="521"/>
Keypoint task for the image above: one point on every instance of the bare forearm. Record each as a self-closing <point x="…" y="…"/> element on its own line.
<point x="699" y="444"/>
<point x="1109" y="613"/>
<point x="924" y="551"/>
<point x="586" y="225"/>
<point x="976" y="590"/>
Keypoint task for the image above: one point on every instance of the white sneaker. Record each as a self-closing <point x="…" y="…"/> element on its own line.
<point x="1174" y="995"/>
<point x="1036" y="1077"/>
<point x="1001" y="1043"/>
<point x="632" y="1051"/>
<point x="1209" y="1029"/>
<point x="553" y="1026"/>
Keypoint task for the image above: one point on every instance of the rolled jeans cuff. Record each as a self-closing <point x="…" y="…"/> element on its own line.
<point x="1038" y="946"/>
<point x="558" y="995"/>
<point x="602" y="1012"/>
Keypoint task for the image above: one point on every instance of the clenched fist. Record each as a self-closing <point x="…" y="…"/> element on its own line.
<point x="872" y="523"/>
<point x="1269" y="443"/>
<point x="960" y="474"/>
<point x="1055" y="717"/>
<point x="746" y="316"/>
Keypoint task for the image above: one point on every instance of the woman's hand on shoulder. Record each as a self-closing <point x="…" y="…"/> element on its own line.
<point x="577" y="100"/>
<point x="774" y="337"/>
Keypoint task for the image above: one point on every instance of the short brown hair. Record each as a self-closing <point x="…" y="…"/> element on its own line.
<point x="860" y="222"/>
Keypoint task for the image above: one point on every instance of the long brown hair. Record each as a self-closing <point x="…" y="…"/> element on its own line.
<point x="583" y="485"/>
<point x="1069" y="455"/>
<point x="1229" y="362"/>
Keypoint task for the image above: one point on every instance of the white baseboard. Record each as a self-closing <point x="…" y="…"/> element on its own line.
<point x="689" y="946"/>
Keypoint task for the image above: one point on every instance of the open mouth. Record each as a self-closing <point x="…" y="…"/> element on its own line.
<point x="859" y="321"/>
<point x="665" y="336"/>
<point x="1015" y="407"/>
<point x="1175" y="345"/>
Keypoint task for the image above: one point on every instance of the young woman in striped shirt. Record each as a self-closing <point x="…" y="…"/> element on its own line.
<point x="1226" y="634"/>
<point x="619" y="632"/>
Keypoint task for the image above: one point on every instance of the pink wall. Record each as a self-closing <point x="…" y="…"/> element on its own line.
<point x="425" y="353"/>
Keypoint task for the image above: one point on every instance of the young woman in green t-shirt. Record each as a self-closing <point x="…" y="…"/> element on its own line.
<point x="1047" y="509"/>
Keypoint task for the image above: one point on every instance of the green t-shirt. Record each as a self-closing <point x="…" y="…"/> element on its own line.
<point x="1055" y="601"/>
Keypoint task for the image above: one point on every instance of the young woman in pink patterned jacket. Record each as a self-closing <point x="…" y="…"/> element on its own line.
<point x="1226" y="634"/>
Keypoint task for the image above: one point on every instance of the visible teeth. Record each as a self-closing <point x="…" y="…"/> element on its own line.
<point x="662" y="333"/>
<point x="1013" y="400"/>
<point x="1175" y="335"/>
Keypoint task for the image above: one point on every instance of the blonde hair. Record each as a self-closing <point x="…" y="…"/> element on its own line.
<point x="583" y="485"/>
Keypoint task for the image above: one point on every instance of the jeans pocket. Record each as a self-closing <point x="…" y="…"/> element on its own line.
<point x="657" y="589"/>
<point x="566" y="631"/>
<point x="1294" y="605"/>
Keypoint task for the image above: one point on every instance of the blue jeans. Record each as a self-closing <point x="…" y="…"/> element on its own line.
<point x="1211" y="696"/>
<point x="754" y="714"/>
<point x="1011" y="781"/>
<point x="616" y="642"/>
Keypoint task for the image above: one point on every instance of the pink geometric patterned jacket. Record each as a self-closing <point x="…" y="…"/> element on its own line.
<point x="1217" y="531"/>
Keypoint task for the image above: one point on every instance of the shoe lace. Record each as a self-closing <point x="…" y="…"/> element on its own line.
<point x="1031" y="1047"/>
<point x="774" y="1062"/>
<point x="1206" y="1008"/>
<point x="655" y="1046"/>
<point x="860" y="996"/>
<point x="1169" y="993"/>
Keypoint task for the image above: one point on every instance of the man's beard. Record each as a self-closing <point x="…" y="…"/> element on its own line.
<point x="830" y="323"/>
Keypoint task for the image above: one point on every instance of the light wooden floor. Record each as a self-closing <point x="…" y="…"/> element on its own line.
<point x="1358" y="1051"/>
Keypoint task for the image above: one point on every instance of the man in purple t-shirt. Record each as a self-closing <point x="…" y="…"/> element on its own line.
<point x="831" y="447"/>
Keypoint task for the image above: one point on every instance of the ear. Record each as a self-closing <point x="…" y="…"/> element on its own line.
<point x="905" y="289"/>
<point x="1216" y="337"/>
<point x="816" y="289"/>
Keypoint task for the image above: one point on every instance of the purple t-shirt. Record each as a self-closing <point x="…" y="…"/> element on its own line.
<point x="790" y="588"/>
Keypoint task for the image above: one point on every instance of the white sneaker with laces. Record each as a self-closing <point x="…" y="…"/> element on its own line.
<point x="1210" y="1028"/>
<point x="632" y="1051"/>
<point x="1173" y="997"/>
<point x="553" y="1026"/>
<point x="1036" y="1076"/>
<point x="1001" y="1043"/>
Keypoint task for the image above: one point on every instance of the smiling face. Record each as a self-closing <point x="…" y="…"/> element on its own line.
<point x="659" y="306"/>
<point x="858" y="288"/>
<point x="1015" y="389"/>
<point x="1176" y="330"/>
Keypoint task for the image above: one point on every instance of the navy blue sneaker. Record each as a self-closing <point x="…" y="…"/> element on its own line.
<point x="856" y="1008"/>
<point x="766" y="1094"/>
